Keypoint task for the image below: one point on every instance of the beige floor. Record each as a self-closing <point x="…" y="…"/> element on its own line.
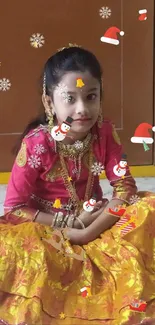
<point x="147" y="183"/>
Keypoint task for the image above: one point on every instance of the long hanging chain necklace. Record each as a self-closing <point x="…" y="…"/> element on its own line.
<point x="70" y="187"/>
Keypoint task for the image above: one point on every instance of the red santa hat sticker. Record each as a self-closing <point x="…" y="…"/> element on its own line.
<point x="142" y="135"/>
<point x="85" y="292"/>
<point x="110" y="36"/>
<point x="142" y="14"/>
<point x="58" y="133"/>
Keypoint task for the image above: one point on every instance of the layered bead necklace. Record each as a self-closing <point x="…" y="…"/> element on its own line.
<point x="77" y="151"/>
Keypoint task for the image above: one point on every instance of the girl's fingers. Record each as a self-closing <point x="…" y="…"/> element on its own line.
<point x="97" y="206"/>
<point x="98" y="212"/>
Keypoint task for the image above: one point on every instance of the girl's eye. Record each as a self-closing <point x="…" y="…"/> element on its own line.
<point x="67" y="98"/>
<point x="91" y="96"/>
<point x="70" y="98"/>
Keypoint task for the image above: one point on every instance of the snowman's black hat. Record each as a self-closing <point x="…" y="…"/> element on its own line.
<point x="94" y="196"/>
<point x="69" y="120"/>
<point x="124" y="157"/>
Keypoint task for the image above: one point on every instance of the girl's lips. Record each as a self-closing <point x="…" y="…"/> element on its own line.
<point x="83" y="120"/>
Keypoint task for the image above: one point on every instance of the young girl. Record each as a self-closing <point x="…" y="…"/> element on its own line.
<point x="67" y="256"/>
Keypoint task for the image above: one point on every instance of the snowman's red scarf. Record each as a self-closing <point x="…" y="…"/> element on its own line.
<point x="59" y="129"/>
<point x="90" y="204"/>
<point x="120" y="167"/>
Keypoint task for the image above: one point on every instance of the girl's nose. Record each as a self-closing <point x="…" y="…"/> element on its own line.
<point x="81" y="108"/>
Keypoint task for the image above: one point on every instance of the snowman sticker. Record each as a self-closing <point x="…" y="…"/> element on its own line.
<point x="90" y="204"/>
<point x="59" y="132"/>
<point x="120" y="169"/>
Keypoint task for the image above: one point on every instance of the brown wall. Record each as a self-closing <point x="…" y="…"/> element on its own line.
<point x="128" y="67"/>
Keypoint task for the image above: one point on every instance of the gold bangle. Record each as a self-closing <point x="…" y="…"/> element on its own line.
<point x="59" y="220"/>
<point x="54" y="219"/>
<point x="71" y="221"/>
<point x="64" y="223"/>
<point x="80" y="222"/>
<point x="36" y="215"/>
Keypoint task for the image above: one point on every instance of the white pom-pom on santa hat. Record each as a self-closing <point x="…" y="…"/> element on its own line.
<point x="110" y="36"/>
<point x="153" y="129"/>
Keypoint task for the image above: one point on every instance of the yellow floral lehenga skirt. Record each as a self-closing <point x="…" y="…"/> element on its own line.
<point x="114" y="284"/>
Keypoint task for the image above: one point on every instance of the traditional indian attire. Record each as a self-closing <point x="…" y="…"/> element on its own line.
<point x="41" y="285"/>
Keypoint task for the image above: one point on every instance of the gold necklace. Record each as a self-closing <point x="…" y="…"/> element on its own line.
<point x="70" y="187"/>
<point x="75" y="149"/>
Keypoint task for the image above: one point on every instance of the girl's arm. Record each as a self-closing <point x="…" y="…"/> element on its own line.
<point x="101" y="224"/>
<point x="25" y="172"/>
<point x="104" y="222"/>
<point x="124" y="186"/>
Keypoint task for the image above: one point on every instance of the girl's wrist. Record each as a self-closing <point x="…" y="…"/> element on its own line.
<point x="120" y="200"/>
<point x="44" y="218"/>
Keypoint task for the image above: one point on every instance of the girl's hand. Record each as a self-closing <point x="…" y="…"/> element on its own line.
<point x="88" y="217"/>
<point x="75" y="236"/>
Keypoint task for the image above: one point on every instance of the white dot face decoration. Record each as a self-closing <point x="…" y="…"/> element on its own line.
<point x="37" y="40"/>
<point x="120" y="169"/>
<point x="5" y="84"/>
<point x="89" y="205"/>
<point x="110" y="36"/>
<point x="143" y="14"/>
<point x="105" y="12"/>
<point x="59" y="133"/>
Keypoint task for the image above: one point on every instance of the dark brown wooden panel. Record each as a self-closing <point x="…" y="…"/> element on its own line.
<point x="128" y="67"/>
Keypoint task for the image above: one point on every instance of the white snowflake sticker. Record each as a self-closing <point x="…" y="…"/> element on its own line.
<point x="78" y="145"/>
<point x="62" y="90"/>
<point x="37" y="40"/>
<point x="134" y="199"/>
<point x="5" y="84"/>
<point x="75" y="171"/>
<point x="97" y="168"/>
<point x="34" y="161"/>
<point x="39" y="149"/>
<point x="105" y="12"/>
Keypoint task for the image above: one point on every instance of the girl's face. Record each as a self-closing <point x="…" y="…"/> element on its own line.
<point x="77" y="96"/>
